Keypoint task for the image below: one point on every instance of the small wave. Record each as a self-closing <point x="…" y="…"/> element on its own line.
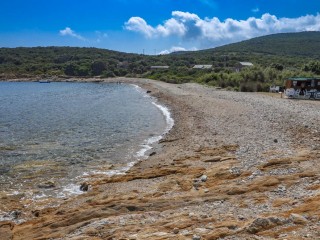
<point x="119" y="171"/>
<point x="71" y="189"/>
<point x="170" y="122"/>
<point x="165" y="111"/>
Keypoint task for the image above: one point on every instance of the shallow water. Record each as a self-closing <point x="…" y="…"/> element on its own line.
<point x="58" y="132"/>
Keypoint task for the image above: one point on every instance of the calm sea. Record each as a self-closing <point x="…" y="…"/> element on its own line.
<point x="56" y="133"/>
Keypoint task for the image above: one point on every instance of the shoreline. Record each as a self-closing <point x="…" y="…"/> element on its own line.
<point x="234" y="165"/>
<point x="72" y="190"/>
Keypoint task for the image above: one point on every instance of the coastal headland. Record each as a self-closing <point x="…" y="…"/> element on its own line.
<point x="234" y="166"/>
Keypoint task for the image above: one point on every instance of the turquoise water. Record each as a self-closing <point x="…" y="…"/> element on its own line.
<point x="59" y="132"/>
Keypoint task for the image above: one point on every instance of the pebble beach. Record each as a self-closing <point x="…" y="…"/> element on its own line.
<point x="234" y="166"/>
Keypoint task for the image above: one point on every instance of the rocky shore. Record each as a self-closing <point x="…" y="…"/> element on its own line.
<point x="234" y="166"/>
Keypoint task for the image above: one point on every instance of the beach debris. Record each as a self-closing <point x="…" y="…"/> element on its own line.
<point x="275" y="140"/>
<point x="84" y="187"/>
<point x="148" y="91"/>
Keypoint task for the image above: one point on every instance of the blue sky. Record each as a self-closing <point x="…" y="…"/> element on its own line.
<point x="153" y="26"/>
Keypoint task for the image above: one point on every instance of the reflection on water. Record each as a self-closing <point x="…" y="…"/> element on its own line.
<point x="56" y="132"/>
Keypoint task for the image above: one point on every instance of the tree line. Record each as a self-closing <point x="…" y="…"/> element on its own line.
<point x="271" y="64"/>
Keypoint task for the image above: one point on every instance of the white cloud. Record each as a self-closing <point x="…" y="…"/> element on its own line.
<point x="138" y="24"/>
<point x="212" y="31"/>
<point x="176" y="49"/>
<point x="255" y="10"/>
<point x="69" y="32"/>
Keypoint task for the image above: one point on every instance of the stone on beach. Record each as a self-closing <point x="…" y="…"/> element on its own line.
<point x="84" y="187"/>
<point x="47" y="184"/>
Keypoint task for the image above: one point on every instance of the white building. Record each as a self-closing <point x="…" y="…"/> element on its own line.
<point x="159" y="67"/>
<point x="202" y="66"/>
<point x="241" y="65"/>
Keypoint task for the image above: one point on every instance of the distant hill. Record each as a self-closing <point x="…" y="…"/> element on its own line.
<point x="292" y="50"/>
<point x="303" y="44"/>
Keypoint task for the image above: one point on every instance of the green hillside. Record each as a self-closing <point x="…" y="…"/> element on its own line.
<point x="292" y="50"/>
<point x="304" y="44"/>
<point x="275" y="57"/>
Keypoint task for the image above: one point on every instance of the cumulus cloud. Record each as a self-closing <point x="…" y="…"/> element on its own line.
<point x="138" y="24"/>
<point x="69" y="32"/>
<point x="176" y="49"/>
<point x="213" y="31"/>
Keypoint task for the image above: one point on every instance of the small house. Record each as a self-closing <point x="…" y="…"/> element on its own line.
<point x="202" y="66"/>
<point x="159" y="67"/>
<point x="242" y="65"/>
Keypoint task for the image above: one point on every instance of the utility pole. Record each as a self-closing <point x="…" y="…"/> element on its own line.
<point x="142" y="51"/>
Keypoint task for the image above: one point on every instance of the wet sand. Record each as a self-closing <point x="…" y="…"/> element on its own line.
<point x="234" y="166"/>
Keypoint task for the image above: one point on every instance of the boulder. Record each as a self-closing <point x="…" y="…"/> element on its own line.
<point x="203" y="178"/>
<point x="84" y="187"/>
<point x="261" y="224"/>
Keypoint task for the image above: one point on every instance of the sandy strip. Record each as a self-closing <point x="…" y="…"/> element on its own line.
<point x="234" y="166"/>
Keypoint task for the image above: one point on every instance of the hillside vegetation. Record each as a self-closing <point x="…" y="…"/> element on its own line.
<point x="275" y="57"/>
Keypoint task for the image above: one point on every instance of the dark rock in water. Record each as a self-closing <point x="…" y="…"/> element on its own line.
<point x="15" y="214"/>
<point x="36" y="213"/>
<point x="151" y="154"/>
<point x="132" y="208"/>
<point x="84" y="187"/>
<point x="47" y="184"/>
<point x="148" y="91"/>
